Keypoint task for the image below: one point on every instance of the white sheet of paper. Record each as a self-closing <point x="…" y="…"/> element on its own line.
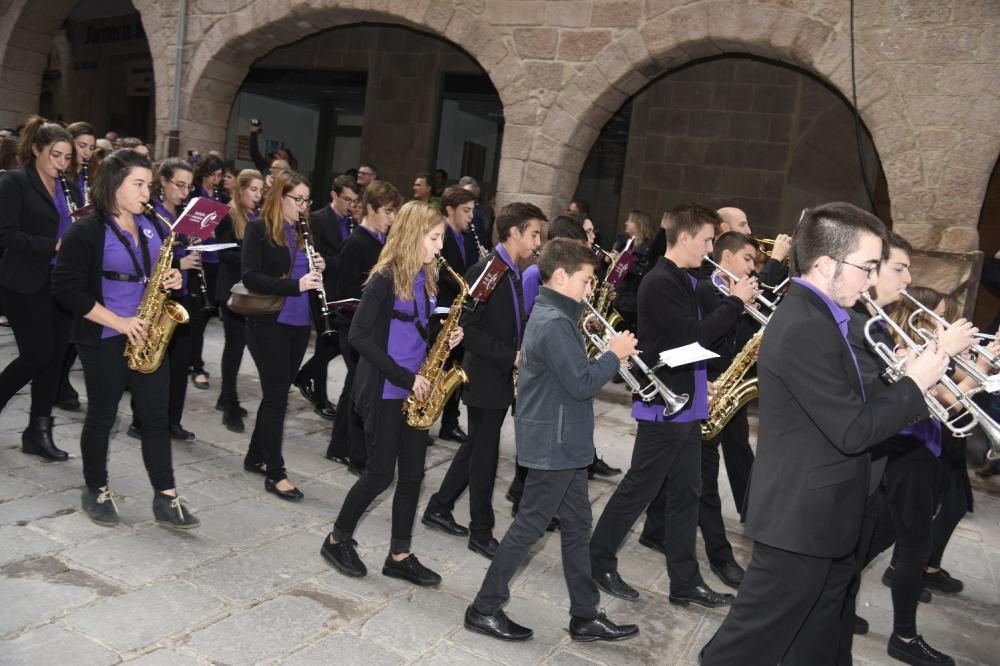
<point x="691" y="353"/>
<point x="441" y="311"/>
<point x="210" y="247"/>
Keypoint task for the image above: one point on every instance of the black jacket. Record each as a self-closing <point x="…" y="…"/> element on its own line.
<point x="328" y="241"/>
<point x="230" y="261"/>
<point x="810" y="476"/>
<point x="76" y="279"/>
<point x="447" y="287"/>
<point x="265" y="265"/>
<point x="490" y="344"/>
<point x="357" y="256"/>
<point x="668" y="318"/>
<point x="733" y="341"/>
<point x="29" y="222"/>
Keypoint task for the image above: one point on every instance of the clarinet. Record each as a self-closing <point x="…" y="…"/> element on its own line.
<point x="325" y="328"/>
<point x="85" y="169"/>
<point x="70" y="202"/>
<point x="479" y="246"/>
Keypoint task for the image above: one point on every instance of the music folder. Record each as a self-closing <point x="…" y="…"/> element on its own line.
<point x="200" y="218"/>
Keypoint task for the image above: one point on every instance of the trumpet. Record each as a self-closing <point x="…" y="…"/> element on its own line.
<point x="960" y="425"/>
<point x="767" y="247"/>
<point x="968" y="367"/>
<point x="672" y="402"/>
<point x="747" y="307"/>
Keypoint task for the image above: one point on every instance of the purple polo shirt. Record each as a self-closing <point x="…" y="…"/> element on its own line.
<point x="179" y="251"/>
<point x="696" y="408"/>
<point x="457" y="235"/>
<point x="531" y="280"/>
<point x="841" y="316"/>
<point x="123" y="298"/>
<point x="344" y="223"/>
<point x="927" y="431"/>
<point x="62" y="207"/>
<point x="295" y="311"/>
<point x="406" y="346"/>
<point x="376" y="235"/>
<point x="514" y="275"/>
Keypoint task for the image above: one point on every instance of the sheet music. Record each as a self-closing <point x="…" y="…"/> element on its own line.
<point x="691" y="353"/>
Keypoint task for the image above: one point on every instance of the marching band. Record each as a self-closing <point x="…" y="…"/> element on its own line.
<point x="864" y="384"/>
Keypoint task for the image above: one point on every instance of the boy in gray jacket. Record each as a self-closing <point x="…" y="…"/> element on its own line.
<point x="554" y="430"/>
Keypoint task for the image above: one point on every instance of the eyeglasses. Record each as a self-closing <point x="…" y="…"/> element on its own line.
<point x="366" y="173"/>
<point x="349" y="201"/>
<point x="299" y="200"/>
<point x="868" y="270"/>
<point x="182" y="186"/>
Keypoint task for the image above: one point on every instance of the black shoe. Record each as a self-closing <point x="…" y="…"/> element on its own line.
<point x="356" y="470"/>
<point x="509" y="496"/>
<point x="36" y="440"/>
<point x="344" y="557"/>
<point x="917" y="652"/>
<point x="199" y="383"/>
<point x="601" y="468"/>
<point x="455" y="434"/>
<point x="221" y="407"/>
<point x="701" y="595"/>
<point x="133" y="431"/>
<point x="729" y="573"/>
<point x="233" y="420"/>
<point x="860" y="626"/>
<point x="486" y="548"/>
<point x="410" y="569"/>
<point x="890" y="573"/>
<point x="612" y="583"/>
<point x="68" y="399"/>
<point x="172" y="512"/>
<point x="652" y="544"/>
<point x="305" y="387"/>
<point x="99" y="505"/>
<point x="256" y="468"/>
<point x="444" y="522"/>
<point x="600" y="629"/>
<point x="497" y="625"/>
<point x="292" y="495"/>
<point x="942" y="581"/>
<point x="178" y="433"/>
<point x="326" y="410"/>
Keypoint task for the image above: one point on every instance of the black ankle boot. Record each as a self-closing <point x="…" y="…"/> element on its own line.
<point x="37" y="440"/>
<point x="232" y="419"/>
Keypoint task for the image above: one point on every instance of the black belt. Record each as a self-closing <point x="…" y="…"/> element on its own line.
<point x="124" y="277"/>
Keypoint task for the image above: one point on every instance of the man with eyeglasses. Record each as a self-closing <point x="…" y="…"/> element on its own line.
<point x="366" y="174"/>
<point x="331" y="225"/>
<point x="818" y="419"/>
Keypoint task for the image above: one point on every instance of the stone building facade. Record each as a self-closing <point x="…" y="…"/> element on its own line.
<point x="927" y="75"/>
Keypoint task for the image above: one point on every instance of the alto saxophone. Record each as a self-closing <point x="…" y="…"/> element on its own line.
<point x="732" y="390"/>
<point x="603" y="303"/>
<point x="159" y="313"/>
<point x="421" y="414"/>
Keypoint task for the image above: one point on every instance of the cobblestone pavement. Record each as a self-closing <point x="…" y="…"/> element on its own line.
<point x="250" y="587"/>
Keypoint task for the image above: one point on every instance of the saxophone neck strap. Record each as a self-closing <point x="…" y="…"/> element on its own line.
<point x="414" y="318"/>
<point x="143" y="244"/>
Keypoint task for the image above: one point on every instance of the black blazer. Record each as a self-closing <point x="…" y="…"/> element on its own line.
<point x="490" y="345"/>
<point x="668" y="310"/>
<point x="447" y="287"/>
<point x="29" y="222"/>
<point x="265" y="264"/>
<point x="810" y="477"/>
<point x="357" y="256"/>
<point x="733" y="341"/>
<point x="230" y="261"/>
<point x="328" y="241"/>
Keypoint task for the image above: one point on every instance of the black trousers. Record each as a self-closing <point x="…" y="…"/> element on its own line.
<point x="736" y="451"/>
<point x="315" y="369"/>
<point x="234" y="328"/>
<point x="787" y="611"/>
<point x="348" y="437"/>
<point x="474" y="467"/>
<point x="863" y="555"/>
<point x="666" y="456"/>
<point x="199" y="317"/>
<point x="952" y="507"/>
<point x="392" y="444"/>
<point x="106" y="374"/>
<point x="41" y="331"/>
<point x="547" y="493"/>
<point x="277" y="349"/>
<point x="69" y="358"/>
<point x="178" y="357"/>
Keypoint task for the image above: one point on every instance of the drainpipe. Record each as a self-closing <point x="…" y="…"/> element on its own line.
<point x="174" y="138"/>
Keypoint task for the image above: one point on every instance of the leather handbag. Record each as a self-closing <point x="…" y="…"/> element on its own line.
<point x="248" y="303"/>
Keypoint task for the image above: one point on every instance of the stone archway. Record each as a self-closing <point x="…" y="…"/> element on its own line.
<point x="222" y="55"/>
<point x="935" y="200"/>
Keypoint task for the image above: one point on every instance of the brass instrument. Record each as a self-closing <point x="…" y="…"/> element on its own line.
<point x="421" y="414"/>
<point x="732" y="390"/>
<point x="672" y="402"/>
<point x="202" y="288"/>
<point x="602" y="300"/>
<point x="765" y="243"/>
<point x="325" y="327"/>
<point x="747" y="307"/>
<point x="960" y="425"/>
<point x="159" y="313"/>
